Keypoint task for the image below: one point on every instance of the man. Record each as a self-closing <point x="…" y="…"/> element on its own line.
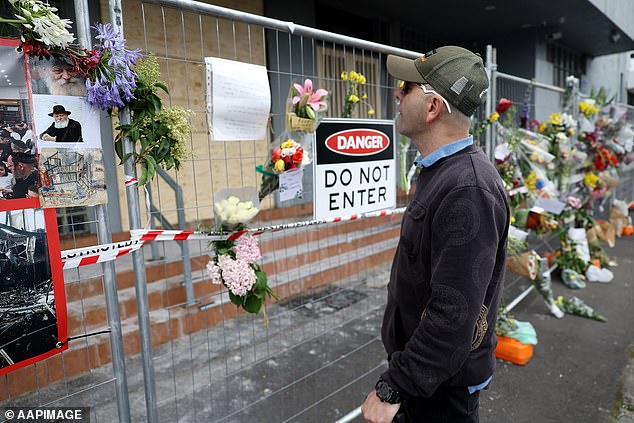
<point x="63" y="129"/>
<point x="448" y="269"/>
<point x="57" y="78"/>
<point x="5" y="145"/>
<point x="22" y="166"/>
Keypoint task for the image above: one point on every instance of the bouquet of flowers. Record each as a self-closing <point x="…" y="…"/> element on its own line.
<point x="354" y="95"/>
<point x="288" y="156"/>
<point x="41" y="30"/>
<point x="577" y="307"/>
<point x="111" y="76"/>
<point x="306" y="105"/>
<point x="235" y="264"/>
<point x="160" y="134"/>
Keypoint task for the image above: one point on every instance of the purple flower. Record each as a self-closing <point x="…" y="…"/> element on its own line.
<point x="114" y="80"/>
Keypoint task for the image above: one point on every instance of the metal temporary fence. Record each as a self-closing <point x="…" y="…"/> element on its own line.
<point x="189" y="355"/>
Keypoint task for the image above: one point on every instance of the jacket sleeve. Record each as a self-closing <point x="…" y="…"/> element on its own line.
<point x="466" y="232"/>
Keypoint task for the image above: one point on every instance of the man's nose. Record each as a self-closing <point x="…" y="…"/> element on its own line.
<point x="66" y="74"/>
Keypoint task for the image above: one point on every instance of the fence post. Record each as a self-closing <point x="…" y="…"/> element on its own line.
<point x="109" y="274"/>
<point x="490" y="65"/>
<point x="140" y="286"/>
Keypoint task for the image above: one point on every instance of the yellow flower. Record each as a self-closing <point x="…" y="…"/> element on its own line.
<point x="354" y="76"/>
<point x="530" y="181"/>
<point x="555" y="119"/>
<point x="353" y="99"/>
<point x="512" y="219"/>
<point x="401" y="84"/>
<point x="371" y="111"/>
<point x="559" y="302"/>
<point x="541" y="128"/>
<point x="588" y="109"/>
<point x="344" y="76"/>
<point x="279" y="166"/>
<point x="494" y="117"/>
<point x="364" y="96"/>
<point x="287" y="144"/>
<point x="591" y="180"/>
<point x="361" y="79"/>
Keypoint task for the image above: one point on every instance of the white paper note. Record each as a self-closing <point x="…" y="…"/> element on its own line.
<point x="238" y="100"/>
<point x="291" y="185"/>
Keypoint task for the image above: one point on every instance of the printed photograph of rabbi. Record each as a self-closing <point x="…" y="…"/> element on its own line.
<point x="56" y="78"/>
<point x="63" y="129"/>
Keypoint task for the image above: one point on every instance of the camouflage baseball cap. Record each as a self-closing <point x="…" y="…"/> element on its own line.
<point x="454" y="72"/>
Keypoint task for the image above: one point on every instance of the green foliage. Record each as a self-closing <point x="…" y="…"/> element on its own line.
<point x="159" y="134"/>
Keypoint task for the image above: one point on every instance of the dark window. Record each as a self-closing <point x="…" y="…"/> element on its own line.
<point x="565" y="62"/>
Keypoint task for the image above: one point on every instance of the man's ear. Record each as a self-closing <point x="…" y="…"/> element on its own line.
<point x="434" y="108"/>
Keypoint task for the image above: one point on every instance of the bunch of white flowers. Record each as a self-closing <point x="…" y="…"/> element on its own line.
<point x="233" y="211"/>
<point x="43" y="23"/>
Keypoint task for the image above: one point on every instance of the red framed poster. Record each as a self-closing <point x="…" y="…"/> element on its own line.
<point x="33" y="317"/>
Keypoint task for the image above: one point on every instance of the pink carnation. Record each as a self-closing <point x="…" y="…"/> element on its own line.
<point x="238" y="276"/>
<point x="247" y="249"/>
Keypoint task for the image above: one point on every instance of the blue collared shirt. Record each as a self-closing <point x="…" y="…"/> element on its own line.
<point x="444" y="151"/>
<point x="479" y="387"/>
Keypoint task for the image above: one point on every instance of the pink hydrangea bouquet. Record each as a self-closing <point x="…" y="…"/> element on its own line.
<point x="236" y="267"/>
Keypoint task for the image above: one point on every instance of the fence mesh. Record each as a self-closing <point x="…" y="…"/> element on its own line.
<point x="320" y="352"/>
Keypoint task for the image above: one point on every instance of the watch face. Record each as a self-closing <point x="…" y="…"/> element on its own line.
<point x="384" y="391"/>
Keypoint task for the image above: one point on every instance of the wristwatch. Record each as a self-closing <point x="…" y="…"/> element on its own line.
<point x="385" y="392"/>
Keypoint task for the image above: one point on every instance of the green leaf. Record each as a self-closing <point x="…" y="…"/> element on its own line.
<point x="155" y="101"/>
<point x="253" y="303"/>
<point x="235" y="299"/>
<point x="310" y="112"/>
<point x="144" y="174"/>
<point x="118" y="148"/>
<point x="126" y="157"/>
<point x="162" y="85"/>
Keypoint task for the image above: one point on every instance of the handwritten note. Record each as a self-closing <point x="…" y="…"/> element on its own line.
<point x="238" y="100"/>
<point x="291" y="185"/>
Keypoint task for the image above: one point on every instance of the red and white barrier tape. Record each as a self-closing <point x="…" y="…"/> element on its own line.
<point x="106" y="252"/>
<point x="175" y="235"/>
<point x="98" y="254"/>
<point x="130" y="180"/>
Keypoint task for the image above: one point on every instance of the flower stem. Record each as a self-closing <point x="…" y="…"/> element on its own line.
<point x="11" y="21"/>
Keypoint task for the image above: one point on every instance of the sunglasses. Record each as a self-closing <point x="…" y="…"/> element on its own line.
<point x="406" y="87"/>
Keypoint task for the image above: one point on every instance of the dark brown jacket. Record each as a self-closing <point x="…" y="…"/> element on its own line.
<point x="447" y="277"/>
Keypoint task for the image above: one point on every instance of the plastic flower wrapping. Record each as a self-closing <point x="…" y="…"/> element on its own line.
<point x="236" y="261"/>
<point x="307" y="104"/>
<point x="290" y="155"/>
<point x="577" y="307"/>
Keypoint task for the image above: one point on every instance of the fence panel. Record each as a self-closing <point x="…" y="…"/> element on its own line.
<point x="320" y="352"/>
